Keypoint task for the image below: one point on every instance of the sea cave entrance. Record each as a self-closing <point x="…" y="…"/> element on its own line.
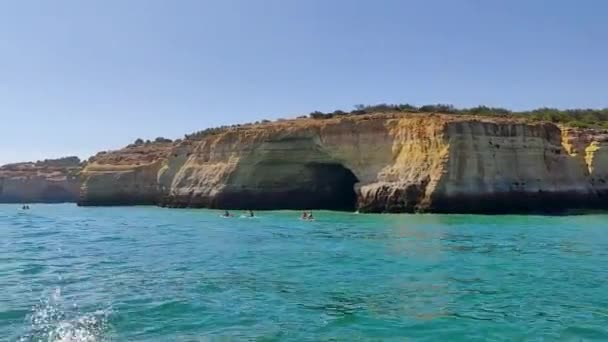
<point x="332" y="187"/>
<point x="274" y="184"/>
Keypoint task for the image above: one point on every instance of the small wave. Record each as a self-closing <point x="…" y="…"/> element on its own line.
<point x="53" y="321"/>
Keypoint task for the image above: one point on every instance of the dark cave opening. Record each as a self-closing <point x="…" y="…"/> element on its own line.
<point x="333" y="187"/>
<point x="328" y="186"/>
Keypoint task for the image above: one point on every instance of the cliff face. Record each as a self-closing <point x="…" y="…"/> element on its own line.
<point x="125" y="177"/>
<point x="49" y="181"/>
<point x="511" y="167"/>
<point x="374" y="163"/>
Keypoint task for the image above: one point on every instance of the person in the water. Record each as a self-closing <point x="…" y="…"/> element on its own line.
<point x="307" y="215"/>
<point x="251" y="213"/>
<point x="226" y="213"/>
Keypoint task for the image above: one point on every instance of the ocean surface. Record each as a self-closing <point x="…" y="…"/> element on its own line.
<point x="153" y="274"/>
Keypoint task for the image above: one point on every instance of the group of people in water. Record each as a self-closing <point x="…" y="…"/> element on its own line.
<point x="249" y="214"/>
<point x="306" y="215"/>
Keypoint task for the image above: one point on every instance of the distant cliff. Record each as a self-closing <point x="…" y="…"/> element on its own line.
<point x="48" y="181"/>
<point x="374" y="163"/>
<point x="125" y="177"/>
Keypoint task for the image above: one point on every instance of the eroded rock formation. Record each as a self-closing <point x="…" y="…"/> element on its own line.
<point x="374" y="163"/>
<point x="124" y="177"/>
<point x="48" y="181"/>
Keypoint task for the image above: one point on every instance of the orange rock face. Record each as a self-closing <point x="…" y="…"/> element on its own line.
<point x="373" y="163"/>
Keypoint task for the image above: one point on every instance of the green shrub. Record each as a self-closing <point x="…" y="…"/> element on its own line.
<point x="318" y="115"/>
<point x="162" y="140"/>
<point x="438" y="108"/>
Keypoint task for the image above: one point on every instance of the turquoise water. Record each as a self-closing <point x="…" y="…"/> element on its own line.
<point x="153" y="274"/>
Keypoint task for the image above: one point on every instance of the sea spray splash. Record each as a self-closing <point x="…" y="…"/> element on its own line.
<point x="52" y="320"/>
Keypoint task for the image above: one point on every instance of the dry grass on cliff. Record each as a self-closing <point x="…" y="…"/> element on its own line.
<point x="308" y="122"/>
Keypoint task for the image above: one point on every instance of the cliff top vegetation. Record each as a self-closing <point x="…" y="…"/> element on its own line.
<point x="65" y="162"/>
<point x="581" y="118"/>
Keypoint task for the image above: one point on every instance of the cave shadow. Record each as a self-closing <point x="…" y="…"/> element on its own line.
<point x="312" y="185"/>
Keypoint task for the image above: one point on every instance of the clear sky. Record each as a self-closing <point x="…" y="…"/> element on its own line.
<point x="77" y="77"/>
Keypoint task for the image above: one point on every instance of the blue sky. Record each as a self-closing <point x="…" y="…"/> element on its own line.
<point x="77" y="77"/>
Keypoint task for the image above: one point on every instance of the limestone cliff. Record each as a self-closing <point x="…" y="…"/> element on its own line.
<point x="46" y="181"/>
<point x="124" y="177"/>
<point x="374" y="163"/>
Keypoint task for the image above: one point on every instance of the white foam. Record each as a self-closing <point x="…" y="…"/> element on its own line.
<point x="53" y="321"/>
